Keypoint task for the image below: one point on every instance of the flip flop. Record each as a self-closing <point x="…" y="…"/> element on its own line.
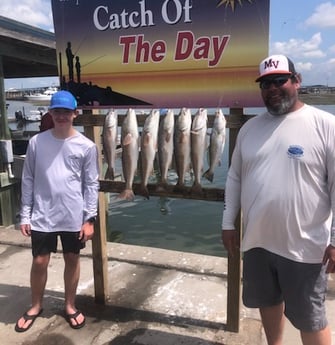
<point x="74" y="316"/>
<point x="26" y="318"/>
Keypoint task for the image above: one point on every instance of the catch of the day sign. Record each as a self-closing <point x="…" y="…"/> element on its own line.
<point x="178" y="144"/>
<point x="161" y="53"/>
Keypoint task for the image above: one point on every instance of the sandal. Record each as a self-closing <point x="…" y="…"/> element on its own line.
<point x="26" y="318"/>
<point x="74" y="316"/>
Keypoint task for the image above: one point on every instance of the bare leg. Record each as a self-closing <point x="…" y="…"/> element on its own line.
<point x="322" y="337"/>
<point x="38" y="280"/>
<point x="71" y="279"/>
<point x="273" y="320"/>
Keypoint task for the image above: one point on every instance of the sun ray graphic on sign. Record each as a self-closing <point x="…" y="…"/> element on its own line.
<point x="231" y="3"/>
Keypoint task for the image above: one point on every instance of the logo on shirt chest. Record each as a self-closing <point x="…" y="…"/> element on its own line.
<point x="295" y="151"/>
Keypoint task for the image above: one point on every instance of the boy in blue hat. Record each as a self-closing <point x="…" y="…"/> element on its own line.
<point x="59" y="199"/>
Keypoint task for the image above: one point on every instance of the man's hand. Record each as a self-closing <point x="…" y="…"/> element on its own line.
<point x="231" y="242"/>
<point x="86" y="232"/>
<point x="329" y="259"/>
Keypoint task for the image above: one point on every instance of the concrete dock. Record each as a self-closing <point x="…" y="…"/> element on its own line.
<point x="156" y="297"/>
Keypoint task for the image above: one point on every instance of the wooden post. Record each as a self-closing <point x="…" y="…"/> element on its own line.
<point x="99" y="241"/>
<point x="234" y="264"/>
<point x="8" y="205"/>
<point x="4" y="129"/>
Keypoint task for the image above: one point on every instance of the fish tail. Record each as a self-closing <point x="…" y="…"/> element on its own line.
<point x="179" y="187"/>
<point x="161" y="187"/>
<point x="145" y="192"/>
<point x="209" y="175"/>
<point x="127" y="194"/>
<point x="196" y="188"/>
<point x="109" y="174"/>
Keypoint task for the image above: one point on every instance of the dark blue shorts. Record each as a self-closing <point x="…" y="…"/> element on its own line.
<point x="46" y="242"/>
<point x="270" y="279"/>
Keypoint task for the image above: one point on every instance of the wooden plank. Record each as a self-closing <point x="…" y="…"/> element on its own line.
<point x="6" y="197"/>
<point x="99" y="241"/>
<point x="207" y="194"/>
<point x="87" y="120"/>
<point x="99" y="253"/>
<point x="234" y="263"/>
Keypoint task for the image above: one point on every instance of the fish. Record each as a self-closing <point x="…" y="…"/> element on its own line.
<point x="198" y="147"/>
<point x="182" y="145"/>
<point x="109" y="138"/>
<point x="149" y="143"/>
<point x="165" y="146"/>
<point x="216" y="144"/>
<point x="129" y="157"/>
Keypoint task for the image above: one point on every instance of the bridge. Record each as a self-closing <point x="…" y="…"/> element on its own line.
<point x="25" y="51"/>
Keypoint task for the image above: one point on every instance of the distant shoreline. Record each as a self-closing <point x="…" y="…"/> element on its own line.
<point x="318" y="99"/>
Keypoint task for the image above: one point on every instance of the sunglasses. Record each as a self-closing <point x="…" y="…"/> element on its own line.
<point x="277" y="82"/>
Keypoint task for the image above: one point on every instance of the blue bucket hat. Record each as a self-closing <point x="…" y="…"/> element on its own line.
<point x="63" y="99"/>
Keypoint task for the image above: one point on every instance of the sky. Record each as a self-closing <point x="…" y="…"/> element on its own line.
<point x="304" y="30"/>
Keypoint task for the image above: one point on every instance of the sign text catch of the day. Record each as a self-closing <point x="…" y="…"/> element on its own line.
<point x="186" y="46"/>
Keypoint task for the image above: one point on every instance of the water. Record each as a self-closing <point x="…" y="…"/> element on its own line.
<point x="176" y="224"/>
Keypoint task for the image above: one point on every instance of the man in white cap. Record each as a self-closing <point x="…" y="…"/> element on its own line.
<point x="282" y="176"/>
<point x="59" y="199"/>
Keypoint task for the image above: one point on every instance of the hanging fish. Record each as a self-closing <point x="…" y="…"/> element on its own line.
<point x="130" y="147"/>
<point x="109" y="138"/>
<point x="182" y="145"/>
<point x="165" y="146"/>
<point x="148" y="149"/>
<point x="198" y="147"/>
<point x="216" y="144"/>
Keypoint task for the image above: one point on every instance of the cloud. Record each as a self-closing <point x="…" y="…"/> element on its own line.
<point x="303" y="66"/>
<point x="33" y="12"/>
<point x="323" y="17"/>
<point x="300" y="48"/>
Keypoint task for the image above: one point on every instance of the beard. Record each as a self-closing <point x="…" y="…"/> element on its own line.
<point x="282" y="106"/>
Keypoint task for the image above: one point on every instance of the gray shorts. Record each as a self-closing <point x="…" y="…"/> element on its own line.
<point x="270" y="279"/>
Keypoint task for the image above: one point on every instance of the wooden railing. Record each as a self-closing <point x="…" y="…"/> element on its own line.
<point x="92" y="122"/>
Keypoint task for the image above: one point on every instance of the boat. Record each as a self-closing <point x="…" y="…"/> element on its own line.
<point x="33" y="116"/>
<point x="44" y="96"/>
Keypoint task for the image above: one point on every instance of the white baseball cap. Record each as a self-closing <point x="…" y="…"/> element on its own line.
<point x="275" y="64"/>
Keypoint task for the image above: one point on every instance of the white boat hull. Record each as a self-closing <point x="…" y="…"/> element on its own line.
<point x="38" y="97"/>
<point x="45" y="96"/>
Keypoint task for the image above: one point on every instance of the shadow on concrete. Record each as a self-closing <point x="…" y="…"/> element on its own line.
<point x="137" y="336"/>
<point x="112" y="313"/>
<point x="15" y="300"/>
<point x="50" y="339"/>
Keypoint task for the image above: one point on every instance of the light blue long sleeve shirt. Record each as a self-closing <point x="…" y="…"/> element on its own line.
<point x="60" y="182"/>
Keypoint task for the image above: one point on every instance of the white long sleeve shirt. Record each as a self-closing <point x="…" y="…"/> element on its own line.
<point x="59" y="182"/>
<point x="282" y="176"/>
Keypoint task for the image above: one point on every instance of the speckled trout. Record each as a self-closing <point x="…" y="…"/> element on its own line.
<point x="165" y="146"/>
<point x="109" y="137"/>
<point x="182" y="145"/>
<point x="198" y="147"/>
<point x="130" y="147"/>
<point x="148" y="149"/>
<point x="216" y="144"/>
